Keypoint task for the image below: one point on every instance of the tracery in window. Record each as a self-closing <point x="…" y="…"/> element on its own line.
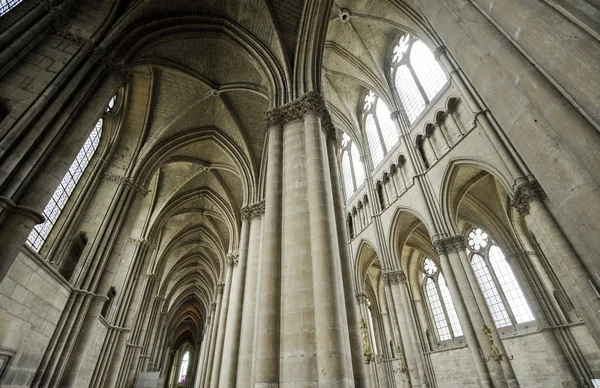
<point x="57" y="202"/>
<point x="502" y="293"/>
<point x="418" y="77"/>
<point x="184" y="366"/>
<point x="379" y="127"/>
<point x="352" y="167"/>
<point x="7" y="5"/>
<point x="440" y="302"/>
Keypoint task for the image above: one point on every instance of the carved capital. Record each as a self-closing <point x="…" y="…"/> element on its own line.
<point x="449" y="244"/>
<point x="254" y="210"/>
<point x="118" y="70"/>
<point x="393" y="277"/>
<point x="525" y="194"/>
<point x="127" y="182"/>
<point x="213" y="306"/>
<point x="300" y="107"/>
<point x="395" y="115"/>
<point x="221" y="288"/>
<point x="439" y="51"/>
<point x="84" y="43"/>
<point x="361" y="298"/>
<point x="233" y="260"/>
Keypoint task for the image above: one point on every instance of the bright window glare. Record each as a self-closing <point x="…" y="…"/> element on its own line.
<point x="7" y="5"/>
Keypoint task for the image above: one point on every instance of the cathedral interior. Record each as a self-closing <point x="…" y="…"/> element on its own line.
<point x="300" y="193"/>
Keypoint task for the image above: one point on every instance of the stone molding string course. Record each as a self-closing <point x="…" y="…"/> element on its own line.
<point x="99" y="53"/>
<point x="297" y="109"/>
<point x="128" y="182"/>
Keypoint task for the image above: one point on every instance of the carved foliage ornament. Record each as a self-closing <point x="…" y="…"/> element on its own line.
<point x="297" y="109"/>
<point x="232" y="260"/>
<point x="394" y="277"/>
<point x="127" y="182"/>
<point x="255" y="210"/>
<point x="449" y="244"/>
<point x="525" y="194"/>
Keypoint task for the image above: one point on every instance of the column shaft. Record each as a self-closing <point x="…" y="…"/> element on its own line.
<point x="266" y="370"/>
<point x="234" y="314"/>
<point x="216" y="369"/>
<point x="331" y="350"/>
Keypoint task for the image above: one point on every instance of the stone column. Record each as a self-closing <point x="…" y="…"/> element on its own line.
<point x="332" y="359"/>
<point x="287" y="351"/>
<point x="468" y="326"/>
<point x="410" y="342"/>
<point x="236" y="301"/>
<point x="347" y="270"/>
<point x="199" y="366"/>
<point x="210" y="356"/>
<point x="580" y="286"/>
<point x="459" y="248"/>
<point x="366" y="350"/>
<point x="266" y="370"/>
<point x="241" y="368"/>
<point x="224" y="290"/>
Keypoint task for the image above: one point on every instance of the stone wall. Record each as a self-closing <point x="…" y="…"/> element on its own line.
<point x="32" y="299"/>
<point x="454" y="369"/>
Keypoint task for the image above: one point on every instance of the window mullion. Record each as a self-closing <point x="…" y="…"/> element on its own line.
<point x="348" y="149"/>
<point x="379" y="134"/>
<point x="443" y="303"/>
<point x="416" y="79"/>
<point x="430" y="316"/>
<point x="507" y="307"/>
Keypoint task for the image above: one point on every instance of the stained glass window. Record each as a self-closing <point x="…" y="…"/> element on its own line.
<point x="57" y="202"/>
<point x="502" y="293"/>
<point x="440" y="302"/>
<point x="418" y="77"/>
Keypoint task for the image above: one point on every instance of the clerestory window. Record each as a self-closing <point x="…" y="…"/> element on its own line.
<point x="61" y="195"/>
<point x="7" y="5"/>
<point x="503" y="295"/>
<point x="353" y="170"/>
<point x="440" y="302"/>
<point x="417" y="75"/>
<point x="379" y="127"/>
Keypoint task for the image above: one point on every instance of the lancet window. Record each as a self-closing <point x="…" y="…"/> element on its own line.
<point x="61" y="195"/>
<point x="352" y="167"/>
<point x="417" y="75"/>
<point x="502" y="292"/>
<point x="440" y="302"/>
<point x="184" y="367"/>
<point x="379" y="127"/>
<point x="7" y="5"/>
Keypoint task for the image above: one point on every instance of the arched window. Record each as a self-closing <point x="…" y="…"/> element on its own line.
<point x="503" y="295"/>
<point x="418" y="77"/>
<point x="52" y="211"/>
<point x="184" y="367"/>
<point x="379" y="127"/>
<point x="440" y="302"/>
<point x="352" y="167"/>
<point x="7" y="5"/>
